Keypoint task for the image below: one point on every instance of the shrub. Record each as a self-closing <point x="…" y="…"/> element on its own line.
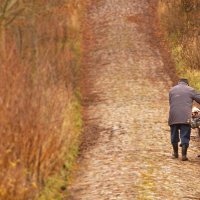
<point x="40" y="113"/>
<point x="180" y="20"/>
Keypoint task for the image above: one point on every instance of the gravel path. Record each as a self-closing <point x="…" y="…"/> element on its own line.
<point x="126" y="113"/>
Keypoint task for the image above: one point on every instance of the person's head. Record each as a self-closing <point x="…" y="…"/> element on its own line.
<point x="184" y="80"/>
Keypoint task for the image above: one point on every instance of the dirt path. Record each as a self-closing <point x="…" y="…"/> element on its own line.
<point x="127" y="110"/>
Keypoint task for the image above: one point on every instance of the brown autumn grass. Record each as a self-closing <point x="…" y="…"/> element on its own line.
<point x="181" y="22"/>
<point x="39" y="103"/>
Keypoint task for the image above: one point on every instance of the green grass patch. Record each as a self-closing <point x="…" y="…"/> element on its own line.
<point x="56" y="185"/>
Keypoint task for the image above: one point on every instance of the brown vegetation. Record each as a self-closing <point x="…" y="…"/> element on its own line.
<point x="181" y="21"/>
<point x="39" y="109"/>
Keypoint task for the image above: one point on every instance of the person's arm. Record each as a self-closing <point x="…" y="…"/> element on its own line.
<point x="196" y="96"/>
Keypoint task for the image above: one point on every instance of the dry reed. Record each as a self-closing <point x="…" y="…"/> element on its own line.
<point x="39" y="113"/>
<point x="180" y="20"/>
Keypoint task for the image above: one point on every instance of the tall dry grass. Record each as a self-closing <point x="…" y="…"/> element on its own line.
<point x="181" y="22"/>
<point x="39" y="109"/>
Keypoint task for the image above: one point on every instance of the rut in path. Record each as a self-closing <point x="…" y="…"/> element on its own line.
<point x="127" y="108"/>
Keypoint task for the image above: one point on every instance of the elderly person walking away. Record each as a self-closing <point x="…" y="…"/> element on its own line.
<point x="181" y="99"/>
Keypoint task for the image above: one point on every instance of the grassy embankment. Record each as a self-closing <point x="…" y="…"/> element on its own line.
<point x="40" y="112"/>
<point x="181" y="22"/>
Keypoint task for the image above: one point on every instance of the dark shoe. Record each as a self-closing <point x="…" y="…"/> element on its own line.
<point x="184" y="152"/>
<point x="174" y="156"/>
<point x="184" y="158"/>
<point x="175" y="148"/>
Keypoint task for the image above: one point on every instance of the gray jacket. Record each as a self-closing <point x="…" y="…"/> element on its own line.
<point x="181" y="98"/>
